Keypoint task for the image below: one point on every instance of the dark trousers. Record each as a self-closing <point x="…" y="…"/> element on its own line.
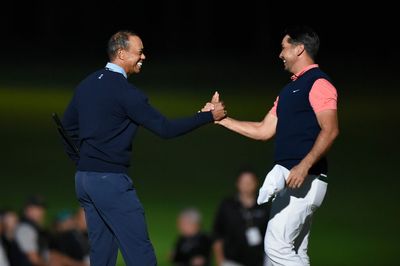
<point x="115" y="219"/>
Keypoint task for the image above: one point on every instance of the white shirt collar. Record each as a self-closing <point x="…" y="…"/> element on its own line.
<point x="116" y="68"/>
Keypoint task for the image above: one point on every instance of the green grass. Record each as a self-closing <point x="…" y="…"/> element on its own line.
<point x="357" y="224"/>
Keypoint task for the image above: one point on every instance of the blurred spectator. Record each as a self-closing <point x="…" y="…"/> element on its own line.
<point x="8" y="222"/>
<point x="69" y="245"/>
<point x="193" y="247"/>
<point x="30" y="234"/>
<point x="3" y="257"/>
<point x="240" y="225"/>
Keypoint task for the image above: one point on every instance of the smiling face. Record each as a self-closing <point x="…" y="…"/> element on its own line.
<point x="131" y="59"/>
<point x="289" y="54"/>
<point x="294" y="55"/>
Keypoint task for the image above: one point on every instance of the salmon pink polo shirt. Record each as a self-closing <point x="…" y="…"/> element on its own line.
<point x="323" y="95"/>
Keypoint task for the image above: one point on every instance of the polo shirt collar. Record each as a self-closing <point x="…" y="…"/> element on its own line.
<point x="298" y="74"/>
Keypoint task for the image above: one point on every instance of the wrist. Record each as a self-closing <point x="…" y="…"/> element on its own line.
<point x="306" y="164"/>
<point x="223" y="121"/>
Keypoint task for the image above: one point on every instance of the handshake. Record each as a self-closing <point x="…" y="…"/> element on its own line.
<point x="216" y="107"/>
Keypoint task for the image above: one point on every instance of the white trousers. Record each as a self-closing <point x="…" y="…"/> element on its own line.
<point x="286" y="239"/>
<point x="274" y="182"/>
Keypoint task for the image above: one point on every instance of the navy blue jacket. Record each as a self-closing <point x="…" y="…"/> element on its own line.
<point x="104" y="115"/>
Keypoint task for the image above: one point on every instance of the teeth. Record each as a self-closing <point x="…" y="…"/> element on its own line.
<point x="284" y="61"/>
<point x="140" y="64"/>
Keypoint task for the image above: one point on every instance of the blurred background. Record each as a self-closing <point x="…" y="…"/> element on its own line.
<point x="193" y="48"/>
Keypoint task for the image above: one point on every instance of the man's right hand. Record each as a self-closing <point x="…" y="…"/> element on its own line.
<point x="215" y="97"/>
<point x="219" y="111"/>
<point x="210" y="105"/>
<point x="216" y="107"/>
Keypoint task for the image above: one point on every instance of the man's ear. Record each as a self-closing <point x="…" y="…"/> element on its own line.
<point x="300" y="49"/>
<point x="121" y="54"/>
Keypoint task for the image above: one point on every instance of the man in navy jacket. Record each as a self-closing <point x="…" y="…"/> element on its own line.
<point x="102" y="118"/>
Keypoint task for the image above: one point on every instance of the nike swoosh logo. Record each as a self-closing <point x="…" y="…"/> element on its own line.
<point x="296" y="91"/>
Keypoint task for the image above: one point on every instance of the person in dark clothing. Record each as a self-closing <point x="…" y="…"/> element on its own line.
<point x="8" y="222"/>
<point x="4" y="259"/>
<point x="30" y="233"/>
<point x="193" y="246"/>
<point x="68" y="246"/>
<point x="240" y="225"/>
<point x="103" y="118"/>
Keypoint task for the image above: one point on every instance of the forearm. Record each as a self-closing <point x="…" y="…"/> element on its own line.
<point x="150" y="118"/>
<point x="321" y="146"/>
<point x="329" y="131"/>
<point x="166" y="128"/>
<point x="253" y="130"/>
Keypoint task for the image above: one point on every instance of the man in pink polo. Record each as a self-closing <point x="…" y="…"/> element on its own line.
<point x="304" y="122"/>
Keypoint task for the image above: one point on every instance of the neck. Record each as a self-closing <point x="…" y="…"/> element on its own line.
<point x="302" y="64"/>
<point x="120" y="64"/>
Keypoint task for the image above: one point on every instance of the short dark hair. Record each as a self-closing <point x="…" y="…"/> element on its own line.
<point x="35" y="200"/>
<point x="304" y="35"/>
<point x="118" y="41"/>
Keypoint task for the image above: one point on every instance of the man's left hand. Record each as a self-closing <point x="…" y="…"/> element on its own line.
<point x="208" y="107"/>
<point x="211" y="105"/>
<point x="297" y="176"/>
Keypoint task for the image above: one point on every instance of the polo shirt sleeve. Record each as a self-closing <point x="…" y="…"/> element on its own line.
<point x="139" y="110"/>
<point x="323" y="96"/>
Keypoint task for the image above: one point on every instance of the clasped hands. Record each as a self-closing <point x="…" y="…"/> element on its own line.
<point x="216" y="107"/>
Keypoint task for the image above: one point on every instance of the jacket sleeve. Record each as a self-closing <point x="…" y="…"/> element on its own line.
<point x="71" y="125"/>
<point x="139" y="110"/>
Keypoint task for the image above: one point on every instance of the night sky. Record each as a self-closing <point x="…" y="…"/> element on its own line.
<point x="60" y="31"/>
